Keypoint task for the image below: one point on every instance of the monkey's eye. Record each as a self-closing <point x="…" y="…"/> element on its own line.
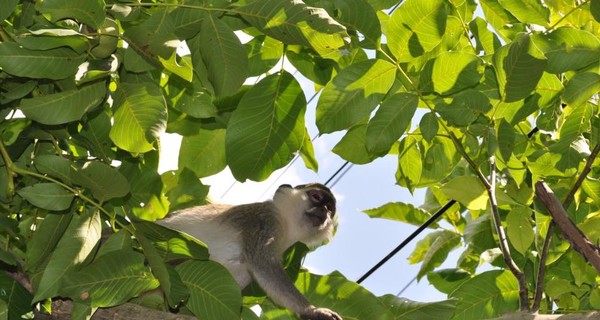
<point x="285" y="186"/>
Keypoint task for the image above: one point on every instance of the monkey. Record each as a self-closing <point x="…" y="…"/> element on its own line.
<point x="250" y="239"/>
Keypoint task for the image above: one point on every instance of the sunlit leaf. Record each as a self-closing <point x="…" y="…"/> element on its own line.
<point x="438" y="251"/>
<point x="528" y="11"/>
<point x="581" y="88"/>
<point x="400" y="211"/>
<point x="203" y="153"/>
<point x="412" y="310"/>
<point x="390" y="121"/>
<point x="57" y="63"/>
<point x="416" y="27"/>
<point x="519" y="66"/>
<point x="214" y="294"/>
<point x="455" y="71"/>
<point x="353" y="94"/>
<point x="519" y="229"/>
<point x="467" y="190"/>
<point x="266" y="128"/>
<point x="110" y="280"/>
<point x="568" y="48"/>
<point x="486" y="295"/>
<point x="352" y="146"/>
<point x="140" y="117"/>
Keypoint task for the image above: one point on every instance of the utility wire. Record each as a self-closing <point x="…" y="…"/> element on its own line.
<point x="336" y="173"/>
<point x="408" y="239"/>
<point x="406" y="286"/>
<point x="341" y="176"/>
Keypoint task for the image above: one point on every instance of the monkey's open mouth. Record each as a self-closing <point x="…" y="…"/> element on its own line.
<point x="317" y="215"/>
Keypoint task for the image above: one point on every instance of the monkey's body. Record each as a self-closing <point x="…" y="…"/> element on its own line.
<point x="249" y="240"/>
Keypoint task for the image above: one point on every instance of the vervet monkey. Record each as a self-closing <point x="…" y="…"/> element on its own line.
<point x="250" y="239"/>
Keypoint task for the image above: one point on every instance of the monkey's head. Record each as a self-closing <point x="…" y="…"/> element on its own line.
<point x="310" y="209"/>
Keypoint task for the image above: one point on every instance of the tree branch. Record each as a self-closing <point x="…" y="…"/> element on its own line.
<point x="566" y="203"/>
<point x="569" y="230"/>
<point x="503" y="241"/>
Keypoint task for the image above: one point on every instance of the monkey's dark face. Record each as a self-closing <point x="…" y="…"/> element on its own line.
<point x="311" y="207"/>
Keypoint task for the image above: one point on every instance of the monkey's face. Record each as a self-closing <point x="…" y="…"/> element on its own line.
<point x="310" y="208"/>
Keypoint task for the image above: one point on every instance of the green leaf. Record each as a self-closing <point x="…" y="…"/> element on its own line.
<point x="581" y="88"/>
<point x="307" y="152"/>
<point x="506" y="139"/>
<point x="267" y="128"/>
<point x="390" y="121"/>
<point x="78" y="241"/>
<point x="45" y="238"/>
<point x="577" y="122"/>
<point x="455" y="71"/>
<point x="429" y="126"/>
<point x="104" y="181"/>
<point x="204" y="152"/>
<point x="90" y="12"/>
<point x="464" y="108"/>
<point x="224" y="56"/>
<point x="595" y="9"/>
<point x="194" y="99"/>
<point x="172" y="245"/>
<point x="406" y="309"/>
<point x="359" y="15"/>
<point x="353" y="94"/>
<point x="52" y="64"/>
<point x="519" y="66"/>
<point x="95" y="136"/>
<point x="154" y="36"/>
<point x="110" y="280"/>
<point x="467" y="190"/>
<point x="293" y="22"/>
<point x="486" y="295"/>
<point x="16" y="297"/>
<point x="400" y="211"/>
<point x="486" y="39"/>
<point x="410" y="163"/>
<point x="352" y="146"/>
<point x="348" y="299"/>
<point x="438" y="251"/>
<point x="45" y="39"/>
<point x="447" y="280"/>
<point x="65" y="106"/>
<point x="415" y="28"/>
<point x="519" y="229"/>
<point x="140" y="117"/>
<point x="54" y="166"/>
<point x="48" y="196"/>
<point x="184" y="189"/>
<point x="528" y="11"/>
<point x="170" y="282"/>
<point x="263" y="53"/>
<point x="568" y="48"/>
<point x="8" y="8"/>
<point x="214" y="294"/>
<point x="501" y="20"/>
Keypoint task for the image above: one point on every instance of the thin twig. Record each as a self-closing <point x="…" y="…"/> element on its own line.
<point x="503" y="241"/>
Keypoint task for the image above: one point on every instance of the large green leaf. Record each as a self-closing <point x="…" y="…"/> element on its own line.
<point x="416" y="27"/>
<point x="501" y="20"/>
<point x="214" y="294"/>
<point x="104" y="181"/>
<point x="54" y="166"/>
<point x="353" y="94"/>
<point x="406" y="309"/>
<point x="360" y="16"/>
<point x="467" y="190"/>
<point x="53" y="64"/>
<point x="293" y="22"/>
<point x="44" y="239"/>
<point x="65" y="106"/>
<point x="438" y="250"/>
<point x="455" y="71"/>
<point x="410" y="163"/>
<point x="78" y="241"/>
<point x="90" y="12"/>
<point x="390" y="121"/>
<point x="447" y="280"/>
<point x="267" y="128"/>
<point x="352" y="146"/>
<point x="110" y="280"/>
<point x="345" y="297"/>
<point x="184" y="189"/>
<point x="203" y="153"/>
<point x="401" y="211"/>
<point x="224" y="56"/>
<point x="528" y="11"/>
<point x="464" y="108"/>
<point x="519" y="229"/>
<point x="171" y="244"/>
<point x="581" y="88"/>
<point x="154" y="36"/>
<point x="519" y="66"/>
<point x="47" y="195"/>
<point x="140" y="117"/>
<point x="568" y="48"/>
<point x="487" y="295"/>
<point x="486" y="39"/>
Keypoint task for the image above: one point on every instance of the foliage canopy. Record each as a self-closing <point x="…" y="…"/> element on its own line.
<point x="504" y="92"/>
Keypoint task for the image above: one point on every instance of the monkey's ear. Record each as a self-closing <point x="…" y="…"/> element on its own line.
<point x="285" y="186"/>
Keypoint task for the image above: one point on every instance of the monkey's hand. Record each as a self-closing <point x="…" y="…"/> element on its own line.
<point x="319" y="314"/>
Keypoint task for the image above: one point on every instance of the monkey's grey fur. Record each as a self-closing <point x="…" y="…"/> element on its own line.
<point x="249" y="240"/>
